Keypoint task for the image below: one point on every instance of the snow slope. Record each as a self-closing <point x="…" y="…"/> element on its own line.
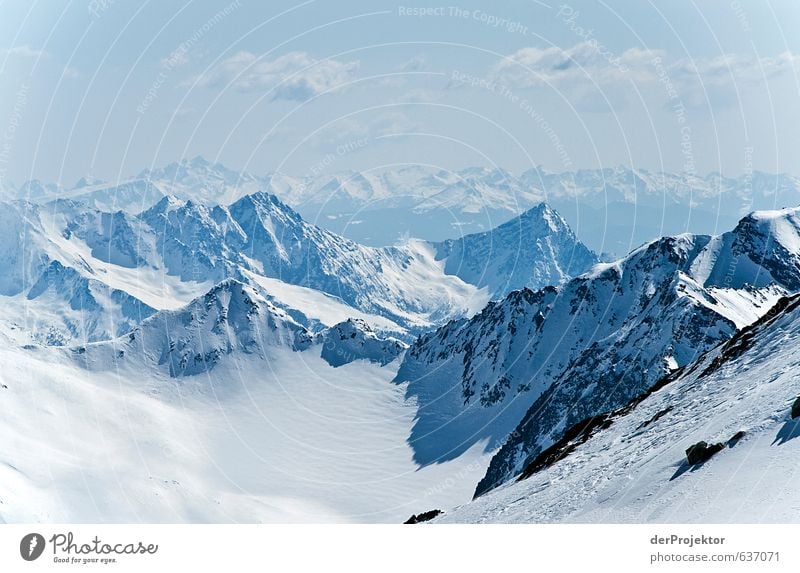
<point x="221" y="411"/>
<point x="635" y="470"/>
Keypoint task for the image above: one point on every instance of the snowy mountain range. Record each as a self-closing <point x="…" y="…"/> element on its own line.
<point x="523" y="370"/>
<point x="291" y="372"/>
<point x="612" y="210"/>
<point x="114" y="269"/>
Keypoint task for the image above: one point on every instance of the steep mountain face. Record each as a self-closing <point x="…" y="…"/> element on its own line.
<point x="190" y="240"/>
<point x="22" y="254"/>
<point x="756" y="261"/>
<point x="632" y="464"/>
<point x="63" y="306"/>
<point x="51" y="296"/>
<point x="532" y="251"/>
<point x="187" y="243"/>
<point x="526" y="368"/>
<point x="762" y="249"/>
<point x="238" y="320"/>
<point x="114" y="238"/>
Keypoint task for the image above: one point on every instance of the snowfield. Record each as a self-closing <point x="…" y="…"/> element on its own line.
<point x="278" y="437"/>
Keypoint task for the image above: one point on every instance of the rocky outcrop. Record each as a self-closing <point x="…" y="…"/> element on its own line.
<point x="352" y="340"/>
<point x="701" y="452"/>
<point x="425" y="516"/>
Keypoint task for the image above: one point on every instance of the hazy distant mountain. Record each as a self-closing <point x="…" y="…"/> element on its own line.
<point x="611" y="210"/>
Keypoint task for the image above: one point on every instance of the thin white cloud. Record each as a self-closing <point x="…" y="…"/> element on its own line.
<point x="718" y="80"/>
<point x="31" y="57"/>
<point x="415" y="64"/>
<point x="383" y="124"/>
<point x="23" y="52"/>
<point x="730" y="68"/>
<point x="177" y="58"/>
<point x="589" y="66"/>
<point x="586" y="61"/>
<point x="293" y="76"/>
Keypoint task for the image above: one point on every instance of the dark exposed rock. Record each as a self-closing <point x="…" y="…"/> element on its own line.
<point x="796" y="408"/>
<point x="701" y="452"/>
<point x="574" y="437"/>
<point x="655" y="418"/>
<point x="735" y="438"/>
<point x="425" y="516"/>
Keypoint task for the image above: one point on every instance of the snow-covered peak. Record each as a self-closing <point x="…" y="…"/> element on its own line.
<point x="188" y="242"/>
<point x="203" y="181"/>
<point x="88" y="181"/>
<point x="776" y="232"/>
<point x="35" y="190"/>
<point x="764" y="248"/>
<point x="267" y="204"/>
<point x="164" y="205"/>
<point x="694" y="292"/>
<point x="533" y="250"/>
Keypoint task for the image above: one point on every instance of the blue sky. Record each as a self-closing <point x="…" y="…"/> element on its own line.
<point x="110" y="87"/>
